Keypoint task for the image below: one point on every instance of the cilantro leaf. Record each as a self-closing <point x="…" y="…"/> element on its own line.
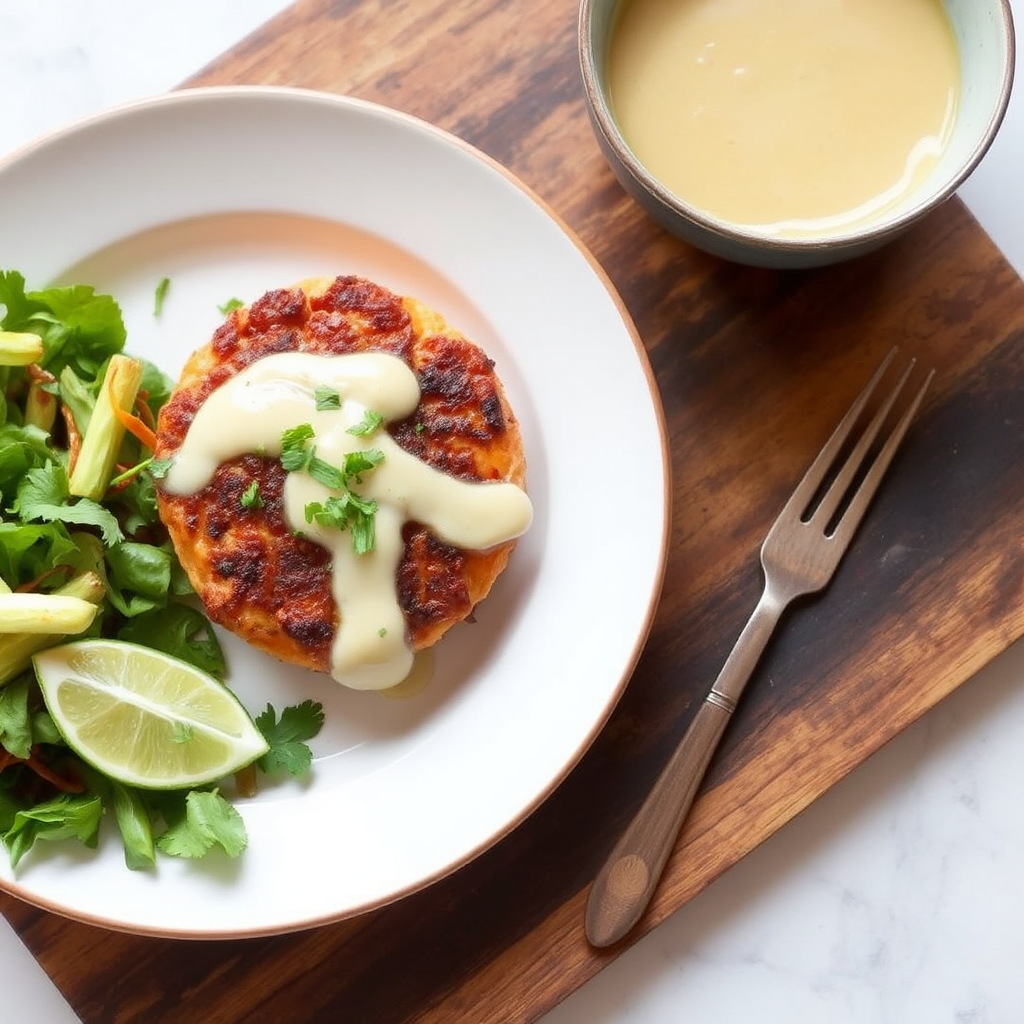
<point x="287" y="736"/>
<point x="357" y="463"/>
<point x="347" y="511"/>
<point x="182" y="840"/>
<point x="79" y="328"/>
<point x="294" y="453"/>
<point x="370" y="422"/>
<point x="364" y="533"/>
<point x="326" y="399"/>
<point x="251" y="497"/>
<point x="13" y="298"/>
<point x="43" y="495"/>
<point x="230" y="306"/>
<point x="92" y="322"/>
<point x="63" y="817"/>
<point x="331" y="512"/>
<point x="324" y="473"/>
<point x="297" y="435"/>
<point x="209" y="821"/>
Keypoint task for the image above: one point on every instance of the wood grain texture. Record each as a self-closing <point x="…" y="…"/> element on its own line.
<point x="754" y="368"/>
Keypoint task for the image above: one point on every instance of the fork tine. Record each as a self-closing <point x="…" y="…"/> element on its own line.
<point x="833" y="498"/>
<point x="815" y="475"/>
<point x="859" y="503"/>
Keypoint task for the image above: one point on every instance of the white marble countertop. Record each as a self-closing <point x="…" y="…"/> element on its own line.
<point x="897" y="897"/>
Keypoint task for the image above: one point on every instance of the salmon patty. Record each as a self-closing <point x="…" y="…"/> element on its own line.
<point x="260" y="578"/>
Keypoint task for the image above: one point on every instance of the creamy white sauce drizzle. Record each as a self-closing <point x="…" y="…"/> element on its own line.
<point x="251" y="411"/>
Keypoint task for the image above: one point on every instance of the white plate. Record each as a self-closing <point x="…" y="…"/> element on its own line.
<point x="229" y="192"/>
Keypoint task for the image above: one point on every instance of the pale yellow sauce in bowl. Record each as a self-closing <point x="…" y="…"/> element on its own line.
<point x="794" y="132"/>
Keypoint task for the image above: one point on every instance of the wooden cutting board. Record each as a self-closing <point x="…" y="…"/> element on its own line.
<point x="754" y="368"/>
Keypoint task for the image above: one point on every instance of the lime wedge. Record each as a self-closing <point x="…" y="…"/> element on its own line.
<point x="144" y="718"/>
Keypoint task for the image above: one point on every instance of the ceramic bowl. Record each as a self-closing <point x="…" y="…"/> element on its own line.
<point x="985" y="37"/>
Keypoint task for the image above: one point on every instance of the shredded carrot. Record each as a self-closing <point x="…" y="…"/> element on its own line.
<point x="74" y="437"/>
<point x="130" y="422"/>
<point x="143" y="410"/>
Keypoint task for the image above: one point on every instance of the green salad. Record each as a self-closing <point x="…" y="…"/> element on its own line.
<point x="83" y="555"/>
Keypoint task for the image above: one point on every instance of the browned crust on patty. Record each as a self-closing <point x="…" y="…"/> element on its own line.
<point x="274" y="589"/>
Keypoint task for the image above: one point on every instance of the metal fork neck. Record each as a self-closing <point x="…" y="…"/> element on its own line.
<point x="745" y="655"/>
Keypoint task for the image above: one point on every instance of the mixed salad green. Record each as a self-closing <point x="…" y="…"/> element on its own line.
<point x="78" y="518"/>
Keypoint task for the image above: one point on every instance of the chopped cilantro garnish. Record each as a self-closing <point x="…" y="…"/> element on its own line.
<point x="324" y="473"/>
<point x="357" y="463"/>
<point x="161" y="294"/>
<point x="230" y="305"/>
<point x="251" y="497"/>
<point x="370" y="422"/>
<point x="326" y="399"/>
<point x="295" y="455"/>
<point x="347" y="511"/>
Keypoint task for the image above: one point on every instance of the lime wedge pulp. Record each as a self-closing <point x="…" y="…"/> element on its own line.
<point x="143" y="717"/>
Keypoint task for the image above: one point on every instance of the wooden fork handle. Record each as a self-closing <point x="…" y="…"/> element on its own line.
<point x="624" y="886"/>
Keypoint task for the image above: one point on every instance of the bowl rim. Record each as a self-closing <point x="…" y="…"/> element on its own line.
<point x="734" y="234"/>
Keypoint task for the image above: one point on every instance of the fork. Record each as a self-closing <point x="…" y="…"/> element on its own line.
<point x="798" y="557"/>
